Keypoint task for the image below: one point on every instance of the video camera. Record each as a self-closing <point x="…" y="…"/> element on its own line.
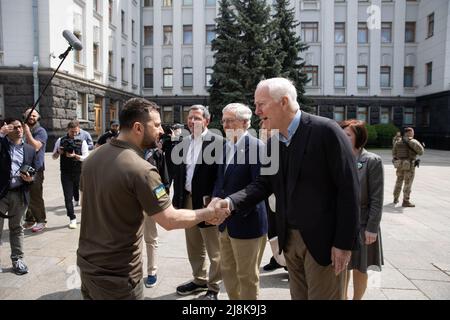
<point x="24" y="169"/>
<point x="70" y="145"/>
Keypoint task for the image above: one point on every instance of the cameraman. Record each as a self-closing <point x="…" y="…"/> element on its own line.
<point x="17" y="160"/>
<point x="72" y="151"/>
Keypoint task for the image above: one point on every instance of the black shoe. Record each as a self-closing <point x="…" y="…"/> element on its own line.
<point x="272" y="265"/>
<point x="19" y="267"/>
<point x="209" y="295"/>
<point x="190" y="288"/>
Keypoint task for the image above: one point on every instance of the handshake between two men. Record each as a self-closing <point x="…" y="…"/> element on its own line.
<point x="219" y="211"/>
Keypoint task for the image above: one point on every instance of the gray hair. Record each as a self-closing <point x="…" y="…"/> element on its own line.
<point x="241" y="111"/>
<point x="279" y="88"/>
<point x="203" y="109"/>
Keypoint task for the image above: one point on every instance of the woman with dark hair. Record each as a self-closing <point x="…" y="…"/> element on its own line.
<point x="370" y="173"/>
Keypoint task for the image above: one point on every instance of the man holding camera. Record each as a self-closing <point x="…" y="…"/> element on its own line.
<point x="404" y="156"/>
<point x="17" y="163"/>
<point x="72" y="151"/>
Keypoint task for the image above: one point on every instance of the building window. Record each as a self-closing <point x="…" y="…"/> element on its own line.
<point x="185" y="114"/>
<point x="187" y="77"/>
<point x="148" y="3"/>
<point x="110" y="63"/>
<point x="77" y="53"/>
<point x="187" y="2"/>
<point x="429" y="67"/>
<point x="339" y="32"/>
<point x="339" y="113"/>
<point x="210" y="33"/>
<point x="386" y="32"/>
<point x="408" y="116"/>
<point x="122" y="69"/>
<point x="430" y="32"/>
<point x="385" y="115"/>
<point x="310" y="31"/>
<point x="339" y="76"/>
<point x="132" y="30"/>
<point x="82" y="107"/>
<point x="167" y="114"/>
<point x="363" y="32"/>
<point x="362" y="77"/>
<point x="133" y="82"/>
<point x="313" y="75"/>
<point x="408" y="77"/>
<point x="148" y="77"/>
<point x="122" y="21"/>
<point x="96" y="55"/>
<point x="362" y="114"/>
<point x="95" y="6"/>
<point x="187" y="34"/>
<point x="167" y="36"/>
<point x="110" y="10"/>
<point x="208" y="76"/>
<point x="410" y="32"/>
<point x="425" y="116"/>
<point x="167" y="3"/>
<point x="210" y="2"/>
<point x="167" y="77"/>
<point x="148" y="35"/>
<point x="385" y="77"/>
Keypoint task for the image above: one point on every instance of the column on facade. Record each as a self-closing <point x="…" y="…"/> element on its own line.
<point x="177" y="43"/>
<point x="375" y="49"/>
<point x="399" y="47"/>
<point x="327" y="52"/>
<point x="352" y="47"/>
<point x="199" y="34"/>
<point x="446" y="82"/>
<point x="157" y="47"/>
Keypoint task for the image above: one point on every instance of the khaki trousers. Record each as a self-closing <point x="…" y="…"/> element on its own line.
<point x="239" y="263"/>
<point x="308" y="280"/>
<point x="200" y="241"/>
<point x="406" y="176"/>
<point x="36" y="208"/>
<point x="151" y="242"/>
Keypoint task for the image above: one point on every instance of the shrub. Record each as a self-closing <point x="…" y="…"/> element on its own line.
<point x="372" y="136"/>
<point x="385" y="133"/>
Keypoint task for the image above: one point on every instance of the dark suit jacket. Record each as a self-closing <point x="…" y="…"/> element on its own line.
<point x="205" y="173"/>
<point x="243" y="224"/>
<point x="29" y="158"/>
<point x="322" y="191"/>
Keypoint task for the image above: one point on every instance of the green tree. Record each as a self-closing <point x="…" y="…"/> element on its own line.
<point x="289" y="47"/>
<point x="225" y="84"/>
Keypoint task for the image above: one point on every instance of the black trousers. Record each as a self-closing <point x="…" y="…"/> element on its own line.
<point x="70" y="182"/>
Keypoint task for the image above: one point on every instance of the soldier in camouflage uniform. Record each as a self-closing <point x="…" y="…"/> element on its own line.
<point x="404" y="153"/>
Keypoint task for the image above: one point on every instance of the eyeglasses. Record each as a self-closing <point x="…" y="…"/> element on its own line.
<point x="226" y="121"/>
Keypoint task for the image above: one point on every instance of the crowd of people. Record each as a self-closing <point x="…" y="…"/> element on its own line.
<point x="320" y="211"/>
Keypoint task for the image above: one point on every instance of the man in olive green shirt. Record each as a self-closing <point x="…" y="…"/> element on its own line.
<point x="119" y="187"/>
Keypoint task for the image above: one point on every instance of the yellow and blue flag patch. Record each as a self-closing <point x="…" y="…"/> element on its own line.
<point x="159" y="191"/>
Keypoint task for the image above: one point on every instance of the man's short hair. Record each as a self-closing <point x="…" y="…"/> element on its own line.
<point x="73" y="124"/>
<point x="359" y="129"/>
<point x="12" y="119"/>
<point x="279" y="88"/>
<point x="408" y="129"/>
<point x="241" y="111"/>
<point x="203" y="109"/>
<point x="136" y="110"/>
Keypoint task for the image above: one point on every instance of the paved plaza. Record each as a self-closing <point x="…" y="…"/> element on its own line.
<point x="416" y="244"/>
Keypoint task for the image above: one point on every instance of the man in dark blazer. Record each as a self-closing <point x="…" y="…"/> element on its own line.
<point x="243" y="235"/>
<point x="316" y="188"/>
<point x="195" y="172"/>
<point x="14" y="186"/>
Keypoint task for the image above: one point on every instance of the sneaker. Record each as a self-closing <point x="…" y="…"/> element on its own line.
<point x="19" y="267"/>
<point x="76" y="203"/>
<point x="209" y="295"/>
<point x="151" y="281"/>
<point x="28" y="225"/>
<point x="272" y="265"/>
<point x="190" y="288"/>
<point x="39" y="227"/>
<point x="73" y="224"/>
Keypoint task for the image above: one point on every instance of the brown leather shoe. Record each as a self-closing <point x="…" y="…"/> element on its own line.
<point x="408" y="204"/>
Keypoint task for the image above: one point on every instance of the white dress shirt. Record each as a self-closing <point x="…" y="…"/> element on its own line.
<point x="195" y="148"/>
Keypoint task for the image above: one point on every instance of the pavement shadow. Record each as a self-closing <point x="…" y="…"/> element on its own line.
<point x="274" y="280"/>
<point x="58" y="210"/>
<point x="74" y="294"/>
<point x="392" y="208"/>
<point x="174" y="296"/>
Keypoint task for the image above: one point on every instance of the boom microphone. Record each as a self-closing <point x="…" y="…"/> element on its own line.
<point x="73" y="40"/>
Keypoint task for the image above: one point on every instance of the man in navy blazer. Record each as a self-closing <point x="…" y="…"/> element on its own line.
<point x="316" y="188"/>
<point x="14" y="186"/>
<point x="242" y="235"/>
